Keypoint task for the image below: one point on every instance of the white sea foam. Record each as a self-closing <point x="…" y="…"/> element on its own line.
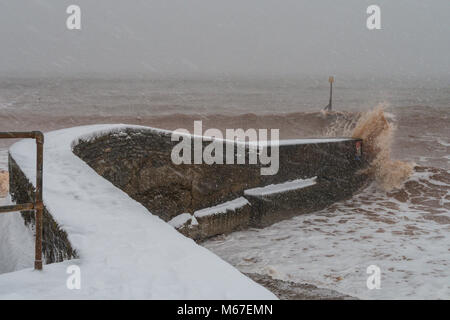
<point x="332" y="248"/>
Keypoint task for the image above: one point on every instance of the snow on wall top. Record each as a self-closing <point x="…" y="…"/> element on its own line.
<point x="182" y="219"/>
<point x="125" y="251"/>
<point x="222" y="208"/>
<point x="118" y="129"/>
<point x="288" y="142"/>
<point x="281" y="187"/>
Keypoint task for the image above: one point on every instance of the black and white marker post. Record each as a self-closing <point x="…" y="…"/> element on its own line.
<point x="330" y="104"/>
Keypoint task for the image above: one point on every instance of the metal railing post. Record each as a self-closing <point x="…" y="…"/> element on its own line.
<point x="38" y="199"/>
<point x="37" y="205"/>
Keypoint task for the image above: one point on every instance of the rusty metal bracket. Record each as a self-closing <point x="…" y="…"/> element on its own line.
<point x="37" y="205"/>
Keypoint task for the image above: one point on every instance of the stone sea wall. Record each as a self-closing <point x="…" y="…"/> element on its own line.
<point x="202" y="200"/>
<point x="138" y="161"/>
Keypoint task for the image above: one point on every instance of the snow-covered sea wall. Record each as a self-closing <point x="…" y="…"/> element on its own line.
<point x="203" y="200"/>
<point x="123" y="250"/>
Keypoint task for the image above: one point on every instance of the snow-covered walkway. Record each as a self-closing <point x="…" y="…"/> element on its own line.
<point x="125" y="252"/>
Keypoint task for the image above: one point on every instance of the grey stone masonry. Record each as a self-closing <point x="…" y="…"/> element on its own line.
<point x="138" y="161"/>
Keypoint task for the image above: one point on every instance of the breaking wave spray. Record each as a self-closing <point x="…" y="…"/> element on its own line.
<point x="377" y="133"/>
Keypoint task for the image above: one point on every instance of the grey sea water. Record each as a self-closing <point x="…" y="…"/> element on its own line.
<point x="422" y="105"/>
<point x="218" y="94"/>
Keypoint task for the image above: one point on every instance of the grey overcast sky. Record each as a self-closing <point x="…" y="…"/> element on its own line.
<point x="225" y="37"/>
